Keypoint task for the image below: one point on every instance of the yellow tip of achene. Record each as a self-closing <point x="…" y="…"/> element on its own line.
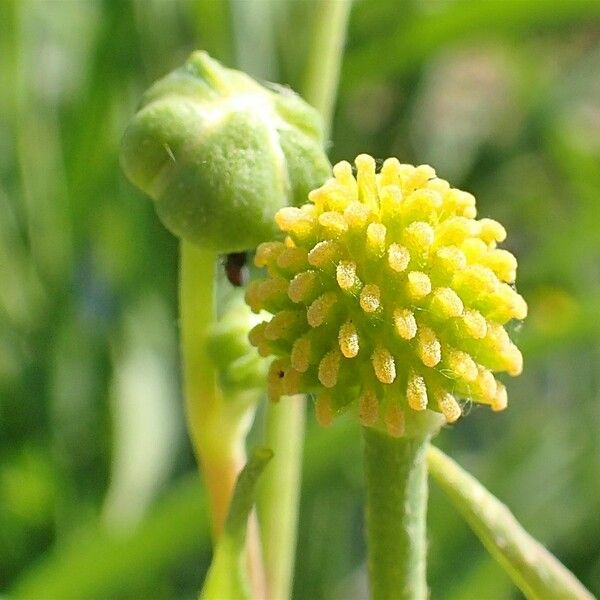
<point x="370" y="298"/>
<point x="302" y="286"/>
<point x="365" y="164"/>
<point x="342" y="171"/>
<point x="519" y="307"/>
<point x="390" y="202"/>
<point x="366" y="180"/>
<point x="416" y="392"/>
<point x="324" y="254"/>
<point x="451" y="259"/>
<point x="267" y="252"/>
<point x="294" y="221"/>
<point x="491" y="231"/>
<point x="428" y="347"/>
<point x="390" y="171"/>
<point x="324" y="409"/>
<point x="461" y="364"/>
<point x="253" y="296"/>
<point x="419" y="236"/>
<point x="346" y="275"/>
<point x="474" y="324"/>
<point x="454" y="231"/>
<point x="394" y="420"/>
<point x="357" y="216"/>
<point x="476" y="281"/>
<point x="398" y="258"/>
<point x="348" y="340"/>
<point x="418" y="285"/>
<point x="368" y="408"/>
<point x="389" y="295"/>
<point x="260" y="294"/>
<point x="318" y="311"/>
<point x="384" y="365"/>
<point x="292" y="382"/>
<point x="448" y="406"/>
<point x="485" y="385"/>
<point x="514" y="361"/>
<point x="300" y="355"/>
<point x="446" y="303"/>
<point x="333" y="224"/>
<point x="503" y="263"/>
<point x="283" y="324"/>
<point x="256" y="335"/>
<point x="293" y="258"/>
<point x="500" y="400"/>
<point x="329" y="368"/>
<point x="376" y="233"/>
<point x="405" y="323"/>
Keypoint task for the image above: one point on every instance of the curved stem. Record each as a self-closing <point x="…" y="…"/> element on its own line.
<point x="533" y="569"/>
<point x="217" y="426"/>
<point x="202" y="395"/>
<point x="396" y="481"/>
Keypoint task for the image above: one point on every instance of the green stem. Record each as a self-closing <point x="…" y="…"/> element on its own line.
<point x="536" y="572"/>
<point x="396" y="481"/>
<point x="322" y="72"/>
<point x="217" y="426"/>
<point x="203" y="400"/>
<point x="279" y="492"/>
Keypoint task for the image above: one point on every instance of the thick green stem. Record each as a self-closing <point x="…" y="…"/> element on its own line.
<point x="396" y="481"/>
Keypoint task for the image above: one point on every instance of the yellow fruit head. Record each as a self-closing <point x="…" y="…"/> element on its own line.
<point x="387" y="294"/>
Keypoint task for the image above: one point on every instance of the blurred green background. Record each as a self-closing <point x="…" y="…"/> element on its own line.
<point x="99" y="496"/>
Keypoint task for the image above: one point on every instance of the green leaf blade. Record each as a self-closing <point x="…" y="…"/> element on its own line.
<point x="227" y="576"/>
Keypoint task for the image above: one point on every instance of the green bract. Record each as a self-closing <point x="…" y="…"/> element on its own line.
<point x="220" y="154"/>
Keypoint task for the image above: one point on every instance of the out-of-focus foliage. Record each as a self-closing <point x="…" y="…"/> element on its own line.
<point x="97" y="491"/>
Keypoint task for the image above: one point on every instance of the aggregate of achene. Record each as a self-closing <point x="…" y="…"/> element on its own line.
<point x="388" y="292"/>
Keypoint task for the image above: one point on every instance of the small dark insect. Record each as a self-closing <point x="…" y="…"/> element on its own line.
<point x="235" y="268"/>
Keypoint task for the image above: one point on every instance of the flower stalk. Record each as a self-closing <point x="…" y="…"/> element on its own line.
<point x="396" y="510"/>
<point x="203" y="401"/>
<point x="217" y="425"/>
<point x="396" y="486"/>
<point x="279" y="494"/>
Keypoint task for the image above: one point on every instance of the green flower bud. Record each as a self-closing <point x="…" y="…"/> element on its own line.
<point x="220" y="154"/>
